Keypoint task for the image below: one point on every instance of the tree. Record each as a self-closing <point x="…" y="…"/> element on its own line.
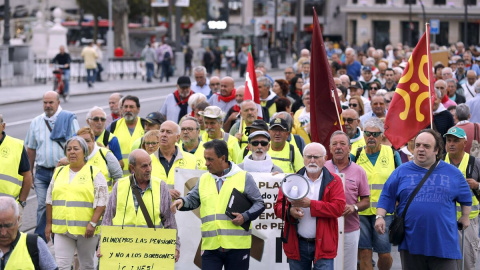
<point x="98" y="8"/>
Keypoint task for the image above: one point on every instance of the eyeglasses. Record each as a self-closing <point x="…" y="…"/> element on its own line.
<point x="349" y="120"/>
<point x="354" y="105"/>
<point x="374" y="134"/>
<point x="98" y="119"/>
<point x="308" y="157"/>
<point x="215" y="84"/>
<point x="373" y="88"/>
<point x="256" y="143"/>
<point x="189" y="129"/>
<point x="388" y="100"/>
<point x="151" y="143"/>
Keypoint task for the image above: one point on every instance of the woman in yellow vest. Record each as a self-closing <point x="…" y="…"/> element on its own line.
<point x="76" y="199"/>
<point x="151" y="141"/>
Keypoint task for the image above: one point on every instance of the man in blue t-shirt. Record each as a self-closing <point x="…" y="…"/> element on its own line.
<point x="431" y="237"/>
<point x="353" y="66"/>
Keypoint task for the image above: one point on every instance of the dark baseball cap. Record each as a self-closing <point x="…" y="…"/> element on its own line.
<point x="184" y="81"/>
<point x="257" y="124"/>
<point x="367" y="68"/>
<point x="355" y="84"/>
<point x="279" y="122"/>
<point x="155" y="118"/>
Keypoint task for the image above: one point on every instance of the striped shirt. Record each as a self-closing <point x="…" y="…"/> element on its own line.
<point x="48" y="152"/>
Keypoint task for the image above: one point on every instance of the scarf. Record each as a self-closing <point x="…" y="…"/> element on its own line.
<point x="236" y="108"/>
<point x="114" y="116"/>
<point x="251" y="165"/>
<point x="182" y="103"/>
<point x="299" y="92"/>
<point x="227" y="99"/>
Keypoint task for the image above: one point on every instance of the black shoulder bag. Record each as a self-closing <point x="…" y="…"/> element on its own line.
<point x="396" y="230"/>
<point x="141" y="204"/>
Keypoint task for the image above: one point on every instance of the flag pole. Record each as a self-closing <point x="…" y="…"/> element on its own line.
<point x="336" y="109"/>
<point x="429" y="79"/>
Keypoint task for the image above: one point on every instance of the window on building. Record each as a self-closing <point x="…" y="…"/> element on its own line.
<point x="235" y="7"/>
<point x="309" y="5"/>
<point x="259" y="8"/>
<point x="439" y="2"/>
<point x="472" y="33"/>
<point x="471" y="2"/>
<point x="413" y="2"/>
<point x="354" y="1"/>
<point x="381" y="33"/>
<point x="380" y="1"/>
<point x="406" y="31"/>
<point x="442" y="38"/>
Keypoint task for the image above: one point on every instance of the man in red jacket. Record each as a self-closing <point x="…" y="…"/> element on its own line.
<point x="311" y="223"/>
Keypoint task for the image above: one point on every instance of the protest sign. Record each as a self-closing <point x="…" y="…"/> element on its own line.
<point x="133" y="248"/>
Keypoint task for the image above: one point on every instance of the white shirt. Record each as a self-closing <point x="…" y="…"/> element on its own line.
<point x="307" y="226"/>
<point x="205" y="89"/>
<point x="468" y="90"/>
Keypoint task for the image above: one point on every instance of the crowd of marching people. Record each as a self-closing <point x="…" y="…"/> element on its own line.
<point x="98" y="173"/>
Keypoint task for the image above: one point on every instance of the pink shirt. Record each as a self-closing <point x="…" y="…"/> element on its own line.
<point x="356" y="185"/>
<point x="449" y="103"/>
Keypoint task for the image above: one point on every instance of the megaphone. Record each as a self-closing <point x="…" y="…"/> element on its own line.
<point x="295" y="186"/>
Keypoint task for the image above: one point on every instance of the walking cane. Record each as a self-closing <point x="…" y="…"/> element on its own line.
<point x="460" y="226"/>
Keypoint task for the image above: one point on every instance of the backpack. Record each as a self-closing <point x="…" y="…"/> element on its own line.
<point x="167" y="56"/>
<point x="33" y="250"/>
<point x="360" y="149"/>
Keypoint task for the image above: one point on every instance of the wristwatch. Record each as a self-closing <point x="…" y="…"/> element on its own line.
<point x="378" y="216"/>
<point x="93" y="224"/>
<point x="23" y="203"/>
<point x="356" y="207"/>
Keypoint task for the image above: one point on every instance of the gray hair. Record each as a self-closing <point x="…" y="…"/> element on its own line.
<point x="7" y="203"/>
<point x="374" y="123"/>
<point x="339" y="132"/>
<point x="324" y="151"/>
<point x="477" y="86"/>
<point x="285" y="116"/>
<point x="447" y="81"/>
<point x="190" y="118"/>
<point x="350" y="50"/>
<point x="83" y="145"/>
<point x="200" y="69"/>
<point x="307" y="92"/>
<point x="95" y="108"/>
<point x="266" y="81"/>
<point x="196" y="98"/>
<point x="462" y="112"/>
<point x="247" y="101"/>
<point x="438" y="93"/>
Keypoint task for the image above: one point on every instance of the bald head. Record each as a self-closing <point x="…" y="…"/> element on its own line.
<point x="51" y="101"/>
<point x="226" y="86"/>
<point x="305" y="53"/>
<point x="136" y="155"/>
<point x="113" y="103"/>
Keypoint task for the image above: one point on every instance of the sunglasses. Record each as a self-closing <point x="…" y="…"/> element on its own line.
<point x="256" y="143"/>
<point x="352" y="105"/>
<point x="374" y="134"/>
<point x="349" y="120"/>
<point x="388" y="100"/>
<point x="373" y="88"/>
<point x="98" y="119"/>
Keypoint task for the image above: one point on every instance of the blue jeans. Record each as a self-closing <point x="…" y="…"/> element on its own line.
<point x="91" y="75"/>
<point x="150" y="68"/>
<point x="369" y="238"/>
<point x="165" y="70"/>
<point x="66" y="81"/>
<point x="42" y="181"/>
<point x="234" y="259"/>
<point x="307" y="256"/>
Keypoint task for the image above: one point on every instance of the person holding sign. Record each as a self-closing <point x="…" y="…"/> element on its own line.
<point x="76" y="199"/>
<point x="123" y="204"/>
<point x="224" y="241"/>
<point x="356" y="186"/>
<point x="311" y="223"/>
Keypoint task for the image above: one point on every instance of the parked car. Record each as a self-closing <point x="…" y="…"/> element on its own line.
<point x="20" y="11"/>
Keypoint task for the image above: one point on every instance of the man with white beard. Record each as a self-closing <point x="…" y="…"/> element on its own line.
<point x="259" y="160"/>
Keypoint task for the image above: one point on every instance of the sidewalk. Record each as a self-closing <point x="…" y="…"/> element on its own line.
<point x="11" y="95"/>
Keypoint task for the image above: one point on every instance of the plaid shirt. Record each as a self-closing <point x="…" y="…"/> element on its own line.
<point x="135" y="202"/>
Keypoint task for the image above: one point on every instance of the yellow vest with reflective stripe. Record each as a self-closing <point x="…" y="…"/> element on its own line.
<point x="217" y="228"/>
<point x="244" y="141"/>
<point x="232" y="144"/>
<point x="10" y="156"/>
<point x="282" y="158"/>
<point x="100" y="138"/>
<point x="356" y="145"/>
<point x="188" y="161"/>
<point x="200" y="157"/>
<point x="272" y="109"/>
<point x="72" y="202"/>
<point x="20" y="258"/>
<point x="126" y="140"/>
<point x="377" y="175"/>
<point x="127" y="216"/>
<point x="98" y="161"/>
<point x="463" y="168"/>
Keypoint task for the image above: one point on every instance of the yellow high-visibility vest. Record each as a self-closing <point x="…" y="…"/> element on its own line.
<point x="463" y="168"/>
<point x="72" y="202"/>
<point x="218" y="229"/>
<point x="284" y="158"/>
<point x="377" y="175"/>
<point x="98" y="161"/>
<point x="184" y="160"/>
<point x="126" y="214"/>
<point x="10" y="156"/>
<point x="232" y="144"/>
<point x="126" y="140"/>
<point x="20" y="257"/>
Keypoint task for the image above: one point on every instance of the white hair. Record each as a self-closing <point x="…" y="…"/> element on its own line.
<point x="350" y="50"/>
<point x="7" y="203"/>
<point x="95" y="108"/>
<point x="196" y="98"/>
<point x="323" y="150"/>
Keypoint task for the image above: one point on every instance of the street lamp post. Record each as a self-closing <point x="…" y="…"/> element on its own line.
<point x="410" y="23"/>
<point x="465" y="24"/>
<point x="110" y="32"/>
<point x="299" y="27"/>
<point x="6" y="24"/>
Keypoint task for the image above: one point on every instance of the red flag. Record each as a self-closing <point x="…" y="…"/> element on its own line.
<point x="325" y="109"/>
<point x="411" y="108"/>
<point x="251" y="88"/>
